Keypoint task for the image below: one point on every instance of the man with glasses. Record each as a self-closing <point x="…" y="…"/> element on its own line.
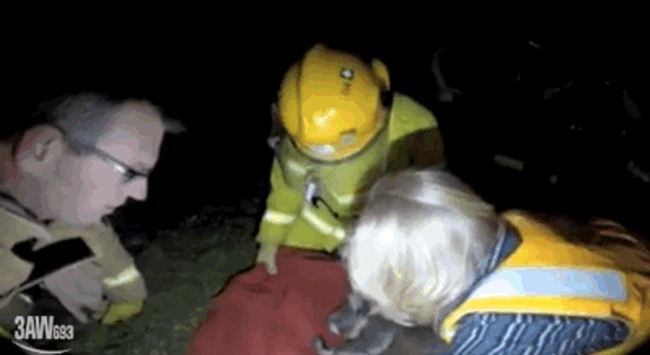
<point x="60" y="173"/>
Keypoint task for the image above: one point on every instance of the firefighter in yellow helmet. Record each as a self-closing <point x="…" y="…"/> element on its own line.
<point x="60" y="174"/>
<point x="344" y="129"/>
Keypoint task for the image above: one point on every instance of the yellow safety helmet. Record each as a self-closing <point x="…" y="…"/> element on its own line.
<point x="330" y="103"/>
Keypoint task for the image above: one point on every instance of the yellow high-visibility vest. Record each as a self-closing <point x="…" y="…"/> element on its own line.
<point x="547" y="274"/>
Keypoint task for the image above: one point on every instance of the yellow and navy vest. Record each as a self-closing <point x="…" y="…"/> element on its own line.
<point x="549" y="275"/>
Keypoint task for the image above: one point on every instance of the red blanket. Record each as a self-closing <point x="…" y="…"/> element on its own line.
<point x="262" y="314"/>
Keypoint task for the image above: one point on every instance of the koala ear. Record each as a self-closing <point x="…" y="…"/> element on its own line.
<point x="356" y="301"/>
<point x="359" y="304"/>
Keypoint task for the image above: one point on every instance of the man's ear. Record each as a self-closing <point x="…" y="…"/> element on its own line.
<point x="38" y="148"/>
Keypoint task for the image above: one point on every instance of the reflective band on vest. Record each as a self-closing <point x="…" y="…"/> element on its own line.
<point x="125" y="276"/>
<point x="561" y="282"/>
<point x="323" y="226"/>
<point x="278" y="217"/>
<point x="346" y="199"/>
<point x="296" y="167"/>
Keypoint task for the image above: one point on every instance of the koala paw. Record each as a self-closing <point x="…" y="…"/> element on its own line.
<point x="318" y="344"/>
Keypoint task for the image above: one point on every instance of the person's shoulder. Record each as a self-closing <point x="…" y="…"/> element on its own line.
<point x="67" y="230"/>
<point x="408" y="116"/>
<point x="99" y="236"/>
<point x="408" y="108"/>
<point x="16" y="227"/>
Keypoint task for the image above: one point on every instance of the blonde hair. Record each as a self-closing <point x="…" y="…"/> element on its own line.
<point x="418" y="245"/>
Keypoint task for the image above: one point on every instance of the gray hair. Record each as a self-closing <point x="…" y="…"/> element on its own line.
<point x="419" y="244"/>
<point x="86" y="117"/>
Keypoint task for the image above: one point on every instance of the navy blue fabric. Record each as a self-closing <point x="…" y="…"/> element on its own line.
<point x="519" y="334"/>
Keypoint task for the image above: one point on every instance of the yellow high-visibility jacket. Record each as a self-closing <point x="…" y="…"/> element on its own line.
<point x="111" y="269"/>
<point x="548" y="274"/>
<point x="311" y="201"/>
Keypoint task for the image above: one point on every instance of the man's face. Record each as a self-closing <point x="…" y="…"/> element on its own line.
<point x="84" y="188"/>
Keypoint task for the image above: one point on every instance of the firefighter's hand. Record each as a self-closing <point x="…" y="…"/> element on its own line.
<point x="120" y="311"/>
<point x="266" y="256"/>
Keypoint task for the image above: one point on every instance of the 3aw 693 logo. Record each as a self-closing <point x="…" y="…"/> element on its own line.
<point x="30" y="328"/>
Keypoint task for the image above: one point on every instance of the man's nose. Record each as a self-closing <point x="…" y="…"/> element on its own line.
<point x="137" y="189"/>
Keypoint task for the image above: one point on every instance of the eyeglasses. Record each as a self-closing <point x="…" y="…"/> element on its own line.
<point x="127" y="173"/>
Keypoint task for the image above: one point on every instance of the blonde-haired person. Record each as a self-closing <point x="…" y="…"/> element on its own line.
<point x="427" y="250"/>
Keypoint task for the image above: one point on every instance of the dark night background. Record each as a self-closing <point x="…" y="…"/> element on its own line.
<point x="520" y="97"/>
<point x="573" y="107"/>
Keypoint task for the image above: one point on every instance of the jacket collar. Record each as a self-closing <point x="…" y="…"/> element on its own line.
<point x="507" y="243"/>
<point x="8" y="202"/>
<point x="17" y="223"/>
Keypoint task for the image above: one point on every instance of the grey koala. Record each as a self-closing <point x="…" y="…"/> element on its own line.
<point x="371" y="334"/>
